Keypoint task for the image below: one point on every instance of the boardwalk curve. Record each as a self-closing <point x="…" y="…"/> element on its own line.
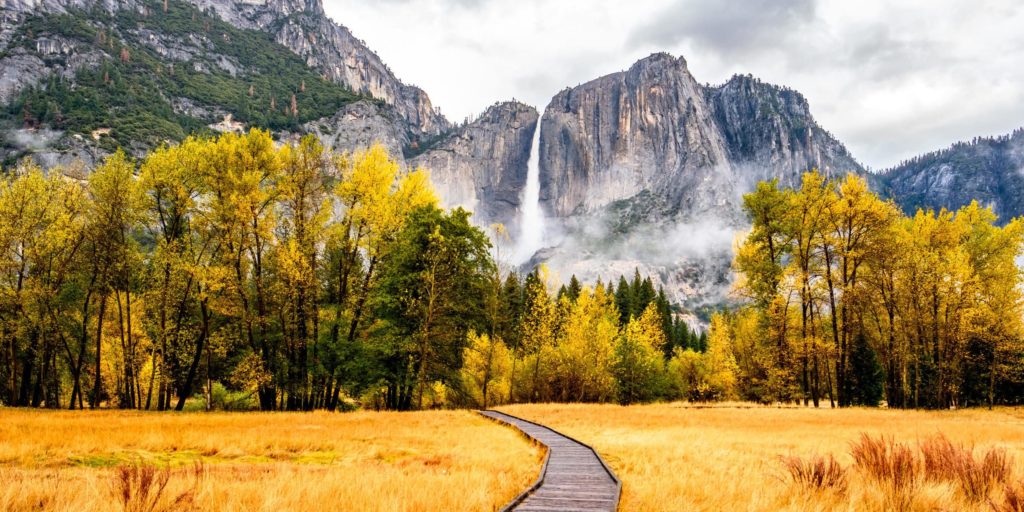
<point x="574" y="477"/>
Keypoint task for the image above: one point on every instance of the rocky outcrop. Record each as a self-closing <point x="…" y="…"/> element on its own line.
<point x="482" y="166"/>
<point x="21" y="68"/>
<point x="653" y="128"/>
<point x="360" y="125"/>
<point x="770" y="133"/>
<point x="989" y="170"/>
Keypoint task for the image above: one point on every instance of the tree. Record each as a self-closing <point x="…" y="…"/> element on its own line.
<point x="624" y="300"/>
<point x="639" y="365"/>
<point x="537" y="328"/>
<point x="116" y="210"/>
<point x="174" y="181"/>
<point x="486" y="363"/>
<point x="376" y="203"/>
<point x="432" y="288"/>
<point x="574" y="288"/>
<point x="866" y="380"/>
<point x="720" y="361"/>
<point x="584" y="348"/>
<point x="302" y="190"/>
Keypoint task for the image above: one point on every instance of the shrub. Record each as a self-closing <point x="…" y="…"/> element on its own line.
<point x="224" y="399"/>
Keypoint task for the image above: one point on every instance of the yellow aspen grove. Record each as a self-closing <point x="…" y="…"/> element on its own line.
<point x="919" y="311"/>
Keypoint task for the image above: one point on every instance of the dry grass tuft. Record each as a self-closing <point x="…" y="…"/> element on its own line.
<point x="1013" y="499"/>
<point x="886" y="461"/>
<point x="140" y="488"/>
<point x="944" y="461"/>
<point x="821" y="473"/>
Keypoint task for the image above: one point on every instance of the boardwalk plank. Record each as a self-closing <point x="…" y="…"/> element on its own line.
<point x="574" y="477"/>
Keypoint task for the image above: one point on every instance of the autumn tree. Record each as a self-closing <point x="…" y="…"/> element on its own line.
<point x="639" y="366"/>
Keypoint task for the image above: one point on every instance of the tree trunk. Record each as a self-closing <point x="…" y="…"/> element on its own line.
<point x="98" y="384"/>
<point x="186" y="387"/>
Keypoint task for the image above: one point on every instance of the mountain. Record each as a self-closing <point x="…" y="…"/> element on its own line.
<point x="987" y="169"/>
<point x="654" y="129"/>
<point x="646" y="168"/>
<point x="82" y="77"/>
<point x="304" y="28"/>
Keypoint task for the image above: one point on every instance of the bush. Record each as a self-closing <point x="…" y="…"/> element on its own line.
<point x="223" y="399"/>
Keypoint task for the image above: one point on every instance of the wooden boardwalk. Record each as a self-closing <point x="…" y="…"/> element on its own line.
<point x="574" y="477"/>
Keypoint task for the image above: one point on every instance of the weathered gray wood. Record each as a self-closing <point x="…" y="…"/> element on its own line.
<point x="574" y="477"/>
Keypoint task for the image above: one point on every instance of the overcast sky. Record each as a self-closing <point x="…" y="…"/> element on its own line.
<point x="891" y="82"/>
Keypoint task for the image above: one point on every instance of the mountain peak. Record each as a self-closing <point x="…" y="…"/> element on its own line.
<point x="660" y="60"/>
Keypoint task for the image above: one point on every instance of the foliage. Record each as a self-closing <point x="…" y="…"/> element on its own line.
<point x="857" y="302"/>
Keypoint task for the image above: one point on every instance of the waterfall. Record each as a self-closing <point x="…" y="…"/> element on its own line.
<point x="531" y="217"/>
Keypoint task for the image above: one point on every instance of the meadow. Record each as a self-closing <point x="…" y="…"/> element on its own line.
<point x="367" y="461"/>
<point x="669" y="456"/>
<point x="735" y="457"/>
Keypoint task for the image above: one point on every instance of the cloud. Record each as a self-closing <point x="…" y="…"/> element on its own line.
<point x="728" y="27"/>
<point x="889" y="79"/>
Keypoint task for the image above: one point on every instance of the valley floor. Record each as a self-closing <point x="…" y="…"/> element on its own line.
<point x="677" y="457"/>
<point x="365" y="461"/>
<point x="668" y="456"/>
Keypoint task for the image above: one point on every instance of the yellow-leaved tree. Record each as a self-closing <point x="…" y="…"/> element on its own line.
<point x="585" y="348"/>
<point x="639" y="367"/>
<point x="485" y="372"/>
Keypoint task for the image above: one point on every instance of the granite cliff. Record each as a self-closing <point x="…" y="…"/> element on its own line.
<point x="646" y="168"/>
<point x="693" y="148"/>
<point x="482" y="165"/>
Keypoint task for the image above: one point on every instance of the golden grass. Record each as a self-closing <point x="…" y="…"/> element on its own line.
<point x="365" y="461"/>
<point x="675" y="457"/>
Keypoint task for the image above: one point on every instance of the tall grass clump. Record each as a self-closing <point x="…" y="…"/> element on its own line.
<point x="142" y="488"/>
<point x="886" y="461"/>
<point x="1013" y="499"/>
<point x="821" y="473"/>
<point x="944" y="461"/>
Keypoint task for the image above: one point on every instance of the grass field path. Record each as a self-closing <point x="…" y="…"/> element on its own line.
<point x="574" y="477"/>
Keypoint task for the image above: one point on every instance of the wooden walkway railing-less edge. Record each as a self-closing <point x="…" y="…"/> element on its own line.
<point x="567" y="480"/>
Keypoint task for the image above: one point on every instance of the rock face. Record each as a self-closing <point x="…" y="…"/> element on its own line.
<point x="482" y="166"/>
<point x="696" y="148"/>
<point x="360" y="125"/>
<point x="989" y="170"/>
<point x="646" y="169"/>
